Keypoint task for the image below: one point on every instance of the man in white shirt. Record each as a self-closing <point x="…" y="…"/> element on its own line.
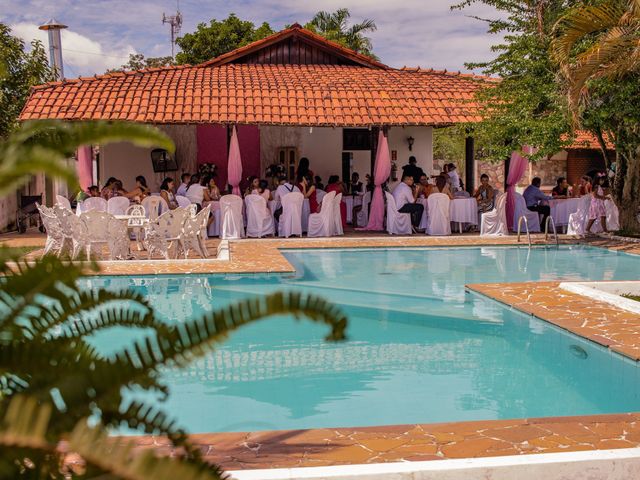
<point x="455" y="178"/>
<point x="182" y="189"/>
<point x="406" y="200"/>
<point x="284" y="187"/>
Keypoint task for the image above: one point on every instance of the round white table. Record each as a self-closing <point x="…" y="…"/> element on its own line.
<point x="461" y="211"/>
<point x="561" y="208"/>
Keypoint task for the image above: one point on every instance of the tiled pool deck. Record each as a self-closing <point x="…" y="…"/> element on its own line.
<point x="617" y="329"/>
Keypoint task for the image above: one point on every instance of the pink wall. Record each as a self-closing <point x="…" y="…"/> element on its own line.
<point x="212" y="148"/>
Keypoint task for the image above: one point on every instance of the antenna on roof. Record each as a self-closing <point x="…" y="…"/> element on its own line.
<point x="175" y="21"/>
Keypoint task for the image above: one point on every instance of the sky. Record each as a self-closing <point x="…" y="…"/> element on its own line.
<point x="102" y="33"/>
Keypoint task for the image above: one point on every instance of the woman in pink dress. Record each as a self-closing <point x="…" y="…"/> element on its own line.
<point x="597" y="208"/>
<point x="335" y="185"/>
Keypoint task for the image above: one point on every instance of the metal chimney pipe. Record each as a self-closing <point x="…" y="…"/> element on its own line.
<point x="53" y="27"/>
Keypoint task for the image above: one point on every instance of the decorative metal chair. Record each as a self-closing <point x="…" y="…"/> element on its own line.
<point x="55" y="235"/>
<point x="161" y="233"/>
<point x="192" y="233"/>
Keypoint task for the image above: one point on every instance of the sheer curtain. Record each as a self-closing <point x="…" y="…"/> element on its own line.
<point x="381" y="175"/>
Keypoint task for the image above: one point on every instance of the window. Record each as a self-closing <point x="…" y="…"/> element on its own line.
<point x="288" y="157"/>
<point x="356" y="139"/>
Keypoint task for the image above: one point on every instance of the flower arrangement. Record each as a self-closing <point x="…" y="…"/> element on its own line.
<point x="208" y="169"/>
<point x="274" y="170"/>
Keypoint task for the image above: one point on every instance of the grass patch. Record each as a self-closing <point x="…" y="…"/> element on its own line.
<point x="624" y="233"/>
<point x="632" y="297"/>
<point x="20" y="251"/>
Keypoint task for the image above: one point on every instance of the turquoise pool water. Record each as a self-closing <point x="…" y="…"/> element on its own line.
<point x="421" y="350"/>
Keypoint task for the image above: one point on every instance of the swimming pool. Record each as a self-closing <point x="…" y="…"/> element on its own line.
<point x="420" y="349"/>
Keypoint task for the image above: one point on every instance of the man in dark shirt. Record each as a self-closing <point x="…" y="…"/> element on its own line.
<point x="412" y="170"/>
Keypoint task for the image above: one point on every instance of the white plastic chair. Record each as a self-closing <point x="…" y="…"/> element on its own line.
<point x="337" y="216"/>
<point x="578" y="219"/>
<point x="521" y="210"/>
<point x="322" y="224"/>
<point x="361" y="217"/>
<point x="118" y="205"/>
<point x="397" y="223"/>
<point x="439" y="217"/>
<point x="182" y="201"/>
<point x="192" y="233"/>
<point x="232" y="224"/>
<point x="63" y="202"/>
<point x="161" y="233"/>
<point x="290" y="222"/>
<point x="152" y="206"/>
<point x="259" y="219"/>
<point x="494" y="223"/>
<point x="97" y="204"/>
<point x="55" y="236"/>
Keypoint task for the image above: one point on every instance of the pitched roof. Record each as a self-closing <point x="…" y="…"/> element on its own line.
<point x="586" y="140"/>
<point x="331" y="95"/>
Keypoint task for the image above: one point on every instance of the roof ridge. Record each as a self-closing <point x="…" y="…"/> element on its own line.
<point x="478" y="76"/>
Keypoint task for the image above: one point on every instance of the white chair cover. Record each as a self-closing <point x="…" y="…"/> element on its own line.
<point x="63" y="202"/>
<point x="494" y="223"/>
<point x="182" y="201"/>
<point x="98" y="204"/>
<point x="161" y="233"/>
<point x="521" y="210"/>
<point x="439" y="216"/>
<point x="362" y="216"/>
<point x="322" y="224"/>
<point x="152" y="206"/>
<point x="337" y="217"/>
<point x="397" y="223"/>
<point x="578" y="220"/>
<point x="232" y="224"/>
<point x="259" y="219"/>
<point x="290" y="222"/>
<point x="118" y="205"/>
<point x="320" y="195"/>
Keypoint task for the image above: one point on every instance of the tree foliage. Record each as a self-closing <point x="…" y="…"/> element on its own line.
<point x="137" y="61"/>
<point x="19" y="71"/>
<point x="218" y="37"/>
<point x="335" y="26"/>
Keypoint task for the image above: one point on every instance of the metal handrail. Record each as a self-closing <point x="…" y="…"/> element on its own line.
<point x="526" y="225"/>
<point x="546" y="230"/>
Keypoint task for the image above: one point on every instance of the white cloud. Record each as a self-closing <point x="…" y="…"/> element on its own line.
<point x="81" y="55"/>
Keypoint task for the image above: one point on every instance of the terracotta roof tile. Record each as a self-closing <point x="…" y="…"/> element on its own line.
<point x="586" y="140"/>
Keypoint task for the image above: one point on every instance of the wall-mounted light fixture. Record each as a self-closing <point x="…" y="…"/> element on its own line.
<point x="410" y="141"/>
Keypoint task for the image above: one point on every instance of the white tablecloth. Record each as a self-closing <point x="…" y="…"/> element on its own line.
<point x="461" y="210"/>
<point x="562" y="208"/>
<point x="351" y="202"/>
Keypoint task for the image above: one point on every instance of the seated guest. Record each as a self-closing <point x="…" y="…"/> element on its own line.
<point x="108" y="189"/>
<point x="318" y="182"/>
<point x="485" y="195"/>
<point x="139" y="191"/>
<point x="369" y="183"/>
<point x="94" y="191"/>
<point x="263" y="190"/>
<point x="355" y="186"/>
<point x="118" y="189"/>
<point x="442" y="186"/>
<point x="197" y="193"/>
<point x="561" y="190"/>
<point x="424" y="187"/>
<point x="309" y="191"/>
<point x="536" y="200"/>
<point x="254" y="184"/>
<point x="182" y="189"/>
<point x="166" y="192"/>
<point x="284" y="187"/>
<point x="213" y="190"/>
<point x="406" y="200"/>
<point x="583" y="187"/>
<point x="335" y="185"/>
<point x="455" y="178"/>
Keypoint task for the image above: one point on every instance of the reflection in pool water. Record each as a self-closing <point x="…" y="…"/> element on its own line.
<point x="421" y="349"/>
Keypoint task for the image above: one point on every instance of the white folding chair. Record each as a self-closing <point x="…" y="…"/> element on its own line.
<point x="290" y="222"/>
<point x="578" y="219"/>
<point x="232" y="224"/>
<point x="494" y="223"/>
<point x="337" y="215"/>
<point x="63" y="202"/>
<point x="322" y="224"/>
<point x="161" y="233"/>
<point x="118" y="205"/>
<point x="439" y="217"/>
<point x="152" y="206"/>
<point x="397" y="223"/>
<point x="98" y="204"/>
<point x="521" y="210"/>
<point x="259" y="219"/>
<point x="182" y="201"/>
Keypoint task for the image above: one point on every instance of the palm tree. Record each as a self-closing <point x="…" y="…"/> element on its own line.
<point x="601" y="43"/>
<point x="334" y="26"/>
<point x="52" y="380"/>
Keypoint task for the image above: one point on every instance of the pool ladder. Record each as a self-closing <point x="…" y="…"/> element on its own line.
<point x="546" y="229"/>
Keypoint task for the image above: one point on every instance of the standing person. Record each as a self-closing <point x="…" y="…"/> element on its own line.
<point x="561" y="190"/>
<point x="537" y="201"/>
<point x="412" y="169"/>
<point x="597" y="208"/>
<point x="405" y="199"/>
<point x="452" y="171"/>
<point x="182" y="189"/>
<point x="335" y="185"/>
<point x="484" y="194"/>
<point x="166" y="192"/>
<point x="303" y="169"/>
<point x="284" y="187"/>
<point x="309" y="191"/>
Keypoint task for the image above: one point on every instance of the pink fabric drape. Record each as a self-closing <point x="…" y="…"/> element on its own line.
<point x="84" y="167"/>
<point x="234" y="167"/>
<point x="517" y="167"/>
<point x="380" y="175"/>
